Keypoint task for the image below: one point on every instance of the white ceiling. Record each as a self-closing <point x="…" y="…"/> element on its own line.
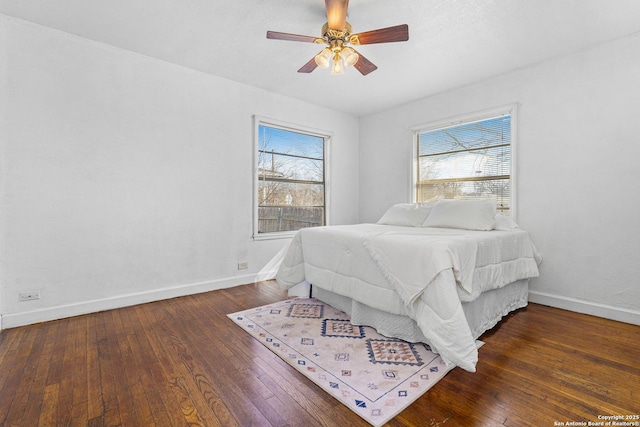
<point x="451" y="43"/>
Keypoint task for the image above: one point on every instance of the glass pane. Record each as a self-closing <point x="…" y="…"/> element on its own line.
<point x="289" y="206"/>
<point x="497" y="188"/>
<point x="486" y="162"/>
<point x="289" y="142"/>
<point x="272" y="165"/>
<point x="485" y="133"/>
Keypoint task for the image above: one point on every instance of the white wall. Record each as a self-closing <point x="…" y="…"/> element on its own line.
<point x="578" y="154"/>
<point x="127" y="179"/>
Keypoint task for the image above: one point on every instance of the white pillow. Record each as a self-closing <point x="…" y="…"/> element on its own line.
<point x="478" y="214"/>
<point x="505" y="223"/>
<point x="406" y="214"/>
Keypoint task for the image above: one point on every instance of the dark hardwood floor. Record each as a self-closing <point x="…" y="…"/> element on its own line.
<point x="183" y="362"/>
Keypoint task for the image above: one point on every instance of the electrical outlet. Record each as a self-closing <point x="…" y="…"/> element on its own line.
<point x="29" y="296"/>
<point x="243" y="265"/>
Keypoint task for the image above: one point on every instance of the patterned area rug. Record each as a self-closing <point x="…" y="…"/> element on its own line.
<point x="375" y="376"/>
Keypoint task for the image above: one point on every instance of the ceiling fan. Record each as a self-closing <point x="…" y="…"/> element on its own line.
<point x="337" y="35"/>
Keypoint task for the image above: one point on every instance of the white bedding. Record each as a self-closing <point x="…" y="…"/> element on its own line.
<point x="420" y="272"/>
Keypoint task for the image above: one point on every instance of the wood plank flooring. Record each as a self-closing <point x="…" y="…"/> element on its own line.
<point x="182" y="362"/>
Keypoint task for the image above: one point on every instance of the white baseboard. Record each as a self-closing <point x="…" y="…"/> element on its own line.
<point x="12" y="320"/>
<point x="586" y="307"/>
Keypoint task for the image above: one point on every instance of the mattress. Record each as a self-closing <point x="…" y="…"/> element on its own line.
<point x="337" y="257"/>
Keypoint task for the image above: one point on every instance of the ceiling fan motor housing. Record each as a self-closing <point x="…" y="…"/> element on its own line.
<point x="338" y="38"/>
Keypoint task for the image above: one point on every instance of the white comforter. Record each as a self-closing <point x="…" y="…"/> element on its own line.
<point x="423" y="273"/>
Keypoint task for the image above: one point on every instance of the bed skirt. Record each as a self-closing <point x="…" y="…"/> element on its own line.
<point x="482" y="314"/>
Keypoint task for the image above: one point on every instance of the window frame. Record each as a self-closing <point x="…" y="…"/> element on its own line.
<point x="505" y="110"/>
<point x="307" y="130"/>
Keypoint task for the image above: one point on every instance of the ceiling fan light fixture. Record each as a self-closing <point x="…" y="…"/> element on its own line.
<point x="337" y="35"/>
<point x="323" y="59"/>
<point x="350" y="56"/>
<point x="337" y="67"/>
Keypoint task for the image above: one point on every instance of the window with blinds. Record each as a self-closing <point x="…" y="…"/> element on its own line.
<point x="290" y="179"/>
<point x="465" y="160"/>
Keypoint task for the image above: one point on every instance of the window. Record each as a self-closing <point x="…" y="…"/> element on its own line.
<point x="290" y="171"/>
<point x="466" y="158"/>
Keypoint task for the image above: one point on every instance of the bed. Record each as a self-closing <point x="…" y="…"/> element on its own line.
<point x="441" y="273"/>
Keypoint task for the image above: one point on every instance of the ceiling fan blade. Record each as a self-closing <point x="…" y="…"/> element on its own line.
<point x="364" y="65"/>
<point x="309" y="66"/>
<point x="293" y="37"/>
<point x="336" y="13"/>
<point x="399" y="33"/>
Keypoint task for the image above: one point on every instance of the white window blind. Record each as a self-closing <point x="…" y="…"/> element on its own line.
<point x="466" y="160"/>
